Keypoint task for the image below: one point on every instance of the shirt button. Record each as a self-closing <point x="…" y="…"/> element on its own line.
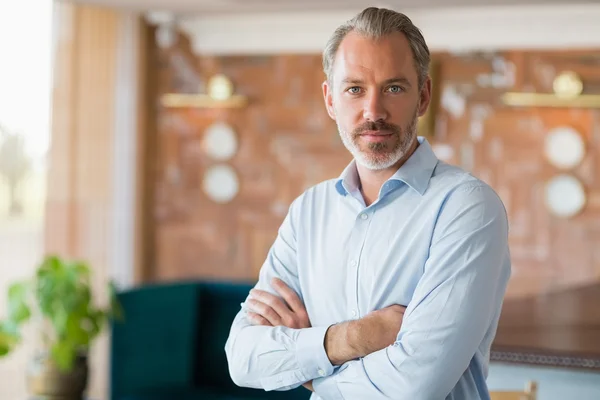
<point x="353" y="263"/>
<point x="321" y="372"/>
<point x="364" y="216"/>
<point x="354" y="313"/>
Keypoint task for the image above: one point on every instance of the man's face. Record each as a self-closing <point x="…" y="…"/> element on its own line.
<point x="374" y="98"/>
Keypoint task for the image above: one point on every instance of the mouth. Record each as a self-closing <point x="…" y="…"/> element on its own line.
<point x="376" y="136"/>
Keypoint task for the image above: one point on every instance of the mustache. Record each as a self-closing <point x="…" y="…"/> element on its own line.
<point x="375" y="126"/>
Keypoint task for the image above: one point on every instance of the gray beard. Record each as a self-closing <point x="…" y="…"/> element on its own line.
<point x="380" y="155"/>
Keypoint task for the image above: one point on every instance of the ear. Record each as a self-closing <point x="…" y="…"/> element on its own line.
<point x="425" y="97"/>
<point x="328" y="97"/>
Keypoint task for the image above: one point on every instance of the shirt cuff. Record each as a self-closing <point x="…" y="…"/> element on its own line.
<point x="327" y="388"/>
<point x="310" y="353"/>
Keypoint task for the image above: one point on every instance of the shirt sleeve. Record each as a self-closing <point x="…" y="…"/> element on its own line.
<point x="453" y="311"/>
<point x="277" y="358"/>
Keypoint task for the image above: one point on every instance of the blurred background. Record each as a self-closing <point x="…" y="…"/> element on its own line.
<point x="162" y="142"/>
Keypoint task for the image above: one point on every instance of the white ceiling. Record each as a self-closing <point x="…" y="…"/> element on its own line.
<point x="236" y="6"/>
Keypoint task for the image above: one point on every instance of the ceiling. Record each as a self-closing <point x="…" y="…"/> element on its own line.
<point x="237" y="6"/>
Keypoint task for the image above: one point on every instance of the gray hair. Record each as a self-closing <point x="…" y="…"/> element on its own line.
<point x="374" y="23"/>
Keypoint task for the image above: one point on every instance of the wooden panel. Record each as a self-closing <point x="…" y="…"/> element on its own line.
<point x="288" y="143"/>
<point x="146" y="146"/>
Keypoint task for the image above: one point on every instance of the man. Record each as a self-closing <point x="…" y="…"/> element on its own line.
<point x="387" y="282"/>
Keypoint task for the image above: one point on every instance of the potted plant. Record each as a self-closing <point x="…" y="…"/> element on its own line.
<point x="59" y="298"/>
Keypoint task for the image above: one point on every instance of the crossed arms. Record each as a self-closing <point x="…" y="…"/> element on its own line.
<point x="422" y="353"/>
<point x="344" y="341"/>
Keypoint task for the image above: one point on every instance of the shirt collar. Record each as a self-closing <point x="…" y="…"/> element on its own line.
<point x="415" y="172"/>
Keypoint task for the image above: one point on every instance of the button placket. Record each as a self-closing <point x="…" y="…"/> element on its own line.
<point x="359" y="236"/>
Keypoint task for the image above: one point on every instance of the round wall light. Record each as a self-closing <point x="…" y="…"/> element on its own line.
<point x="221" y="183"/>
<point x="564" y="147"/>
<point x="220" y="141"/>
<point x="565" y="196"/>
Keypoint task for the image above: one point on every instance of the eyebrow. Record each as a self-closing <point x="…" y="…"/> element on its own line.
<point x="353" y="81"/>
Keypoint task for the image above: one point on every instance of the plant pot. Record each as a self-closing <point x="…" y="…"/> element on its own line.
<point x="46" y="382"/>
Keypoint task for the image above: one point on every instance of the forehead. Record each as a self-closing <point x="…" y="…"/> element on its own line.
<point x="374" y="59"/>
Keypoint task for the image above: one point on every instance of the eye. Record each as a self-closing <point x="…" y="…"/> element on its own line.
<point x="353" y="90"/>
<point x="395" y="89"/>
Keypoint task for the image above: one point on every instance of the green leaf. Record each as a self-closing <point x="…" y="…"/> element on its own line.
<point x="17" y="290"/>
<point x="50" y="265"/>
<point x="80" y="270"/>
<point x="9" y="336"/>
<point x="18" y="310"/>
<point x="59" y="322"/>
<point x="96" y="320"/>
<point x="63" y="354"/>
<point x="4" y="348"/>
<point x="6" y="343"/>
<point x="76" y="334"/>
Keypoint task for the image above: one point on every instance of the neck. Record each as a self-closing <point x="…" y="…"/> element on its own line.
<point x="371" y="180"/>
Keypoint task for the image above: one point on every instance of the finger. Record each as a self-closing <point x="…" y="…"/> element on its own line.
<point x="272" y="301"/>
<point x="264" y="311"/>
<point x="290" y="297"/>
<point x="256" y="319"/>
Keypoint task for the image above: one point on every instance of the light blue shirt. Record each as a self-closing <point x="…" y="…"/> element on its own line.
<point x="436" y="241"/>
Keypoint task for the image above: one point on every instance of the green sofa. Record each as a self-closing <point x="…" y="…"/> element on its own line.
<point x="171" y="345"/>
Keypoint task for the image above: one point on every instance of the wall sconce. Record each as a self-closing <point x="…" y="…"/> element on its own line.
<point x="567" y="88"/>
<point x="220" y="95"/>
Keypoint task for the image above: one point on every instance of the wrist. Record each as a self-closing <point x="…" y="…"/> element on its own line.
<point x="335" y="342"/>
<point x="355" y="338"/>
<point x="342" y="342"/>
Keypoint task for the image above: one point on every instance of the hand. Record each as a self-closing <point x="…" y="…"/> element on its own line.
<point x="354" y="339"/>
<point x="270" y="310"/>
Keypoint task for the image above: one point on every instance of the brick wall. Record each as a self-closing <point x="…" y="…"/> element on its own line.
<point x="287" y="143"/>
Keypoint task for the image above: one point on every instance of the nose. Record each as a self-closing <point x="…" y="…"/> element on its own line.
<point x="374" y="109"/>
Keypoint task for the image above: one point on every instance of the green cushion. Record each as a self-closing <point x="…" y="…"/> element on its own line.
<point x="220" y="303"/>
<point x="155" y="346"/>
<point x="172" y="344"/>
